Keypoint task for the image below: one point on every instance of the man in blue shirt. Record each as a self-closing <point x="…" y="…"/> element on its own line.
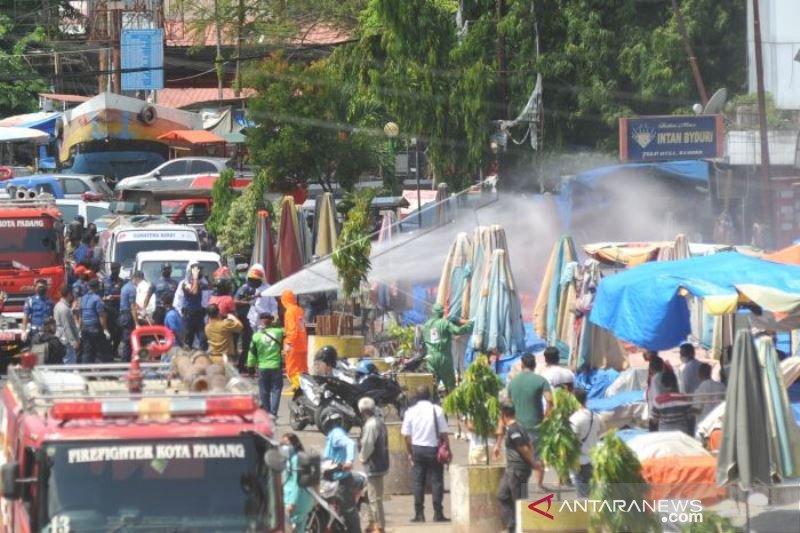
<point x="341" y="450"/>
<point x="165" y="285"/>
<point x="173" y="319"/>
<point x="37" y="309"/>
<point x="81" y="284"/>
<point x="84" y="250"/>
<point x="128" y="319"/>
<point x="94" y="345"/>
<point x="112" y="288"/>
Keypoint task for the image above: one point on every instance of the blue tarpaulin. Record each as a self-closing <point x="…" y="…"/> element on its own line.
<point x="694" y="172"/>
<point x="644" y="305"/>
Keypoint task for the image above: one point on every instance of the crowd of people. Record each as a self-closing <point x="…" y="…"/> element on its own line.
<point x="212" y="311"/>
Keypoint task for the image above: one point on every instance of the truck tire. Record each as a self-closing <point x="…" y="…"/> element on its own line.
<point x="148" y="115"/>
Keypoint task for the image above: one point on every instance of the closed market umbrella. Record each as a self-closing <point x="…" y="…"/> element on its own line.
<point x="264" y="247"/>
<point x="454" y="283"/>
<point x="593" y="345"/>
<point x="552" y="316"/>
<point x="784" y="433"/>
<point x="498" y="317"/>
<point x="325" y="227"/>
<point x="290" y="257"/>
<point x="745" y="457"/>
<point x="485" y="240"/>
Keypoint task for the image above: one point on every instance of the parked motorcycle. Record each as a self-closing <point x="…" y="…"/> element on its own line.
<point x="327" y="516"/>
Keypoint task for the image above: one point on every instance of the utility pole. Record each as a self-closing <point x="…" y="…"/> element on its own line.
<point x="115" y="23"/>
<point x="218" y="62"/>
<point x="237" y="88"/>
<point x="698" y="78"/>
<point x="766" y="192"/>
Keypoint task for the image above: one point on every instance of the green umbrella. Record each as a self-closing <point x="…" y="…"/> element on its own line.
<point x="745" y="454"/>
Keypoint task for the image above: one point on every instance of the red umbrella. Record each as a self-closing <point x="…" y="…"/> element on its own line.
<point x="264" y="247"/>
<point x="290" y="260"/>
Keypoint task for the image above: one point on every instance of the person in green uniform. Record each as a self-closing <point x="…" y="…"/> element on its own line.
<point x="438" y="334"/>
<point x="298" y="501"/>
<point x="265" y="354"/>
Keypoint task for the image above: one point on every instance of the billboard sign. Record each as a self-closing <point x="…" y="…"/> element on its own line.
<point x="668" y="138"/>
<point x="143" y="53"/>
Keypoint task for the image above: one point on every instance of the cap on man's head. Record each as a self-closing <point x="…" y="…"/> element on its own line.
<point x="166" y="266"/>
<point x="80" y="270"/>
<point x="266" y="316"/>
<point x="116" y="266"/>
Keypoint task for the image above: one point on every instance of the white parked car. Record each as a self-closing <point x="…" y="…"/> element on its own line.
<point x="90" y="211"/>
<point x="123" y="242"/>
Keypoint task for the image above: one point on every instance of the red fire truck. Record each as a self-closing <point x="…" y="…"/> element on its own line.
<point x="83" y="451"/>
<point x="31" y="248"/>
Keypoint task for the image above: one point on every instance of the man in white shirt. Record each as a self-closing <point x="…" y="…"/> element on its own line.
<point x="585" y="426"/>
<point x="424" y="425"/>
<point x="688" y="378"/>
<point x="555" y="374"/>
<point x="708" y="394"/>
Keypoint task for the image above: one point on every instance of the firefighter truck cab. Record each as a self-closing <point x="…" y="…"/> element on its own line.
<point x="83" y="451"/>
<point x="31" y="248"/>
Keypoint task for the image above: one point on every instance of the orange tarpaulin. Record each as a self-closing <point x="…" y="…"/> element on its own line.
<point x="192" y="137"/>
<point x="683" y="478"/>
<point x="787" y="256"/>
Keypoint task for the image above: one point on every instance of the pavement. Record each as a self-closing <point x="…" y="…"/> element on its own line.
<point x="399" y="508"/>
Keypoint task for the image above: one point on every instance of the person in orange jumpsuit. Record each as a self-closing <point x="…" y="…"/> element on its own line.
<point x="295" y="342"/>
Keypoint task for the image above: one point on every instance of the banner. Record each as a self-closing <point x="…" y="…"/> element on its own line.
<point x="671" y="137"/>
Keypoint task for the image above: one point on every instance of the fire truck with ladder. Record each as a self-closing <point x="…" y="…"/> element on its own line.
<point x="174" y="446"/>
<point x="31" y="248"/>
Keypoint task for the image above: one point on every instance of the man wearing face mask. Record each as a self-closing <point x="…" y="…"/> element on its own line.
<point x="244" y="299"/>
<point x="37" y="309"/>
<point x="194" y="314"/>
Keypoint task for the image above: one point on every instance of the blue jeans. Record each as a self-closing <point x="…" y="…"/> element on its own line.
<point x="70" y="357"/>
<point x="270" y="384"/>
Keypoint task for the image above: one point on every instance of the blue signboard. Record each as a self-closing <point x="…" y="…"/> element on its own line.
<point x="142" y="59"/>
<point x="670" y="137"/>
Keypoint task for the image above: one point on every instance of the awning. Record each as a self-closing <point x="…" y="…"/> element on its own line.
<point x="8" y="135"/>
<point x="234" y="138"/>
<point x="192" y="137"/>
<point x="43" y="121"/>
<point x="646" y="305"/>
<point x="692" y="171"/>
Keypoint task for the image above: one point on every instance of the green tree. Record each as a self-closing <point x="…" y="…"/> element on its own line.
<point x="222" y="195"/>
<point x="306" y="131"/>
<point x="19" y="82"/>
<point x="351" y="256"/>
<point x="236" y="236"/>
<point x="476" y="397"/>
<point x="558" y="444"/>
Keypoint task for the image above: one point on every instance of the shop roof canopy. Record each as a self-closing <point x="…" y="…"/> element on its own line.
<point x="646" y="305"/>
<point x="192" y="137"/>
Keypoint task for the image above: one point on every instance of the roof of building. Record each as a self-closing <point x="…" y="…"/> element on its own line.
<point x="192" y="137"/>
<point x="71" y="98"/>
<point x="179" y="33"/>
<point x="180" y="98"/>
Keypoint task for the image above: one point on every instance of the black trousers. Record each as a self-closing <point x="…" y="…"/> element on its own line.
<point x="247" y="337"/>
<point x="194" y="326"/>
<point x="513" y="487"/>
<point x="126" y="327"/>
<point x="425" y="463"/>
<point x="94" y="346"/>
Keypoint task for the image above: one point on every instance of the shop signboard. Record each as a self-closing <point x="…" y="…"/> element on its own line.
<point x="667" y="138"/>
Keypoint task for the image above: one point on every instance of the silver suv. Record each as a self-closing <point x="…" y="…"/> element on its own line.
<point x="180" y="168"/>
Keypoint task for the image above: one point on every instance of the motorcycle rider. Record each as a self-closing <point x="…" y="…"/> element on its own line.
<point x="340" y="449"/>
<point x="325" y="361"/>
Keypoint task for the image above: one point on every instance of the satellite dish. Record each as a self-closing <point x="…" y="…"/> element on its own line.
<point x="717" y="102"/>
